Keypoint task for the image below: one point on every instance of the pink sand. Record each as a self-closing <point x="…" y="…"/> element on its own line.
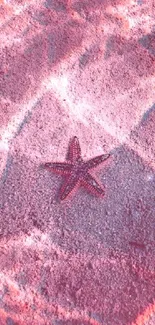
<point x="83" y="68"/>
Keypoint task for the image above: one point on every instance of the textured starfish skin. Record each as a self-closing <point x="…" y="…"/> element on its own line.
<point x="76" y="171"/>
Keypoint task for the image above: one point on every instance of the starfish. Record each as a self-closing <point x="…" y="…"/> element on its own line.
<point x="77" y="171"/>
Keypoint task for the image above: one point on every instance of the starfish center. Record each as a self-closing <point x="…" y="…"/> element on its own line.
<point x="80" y="168"/>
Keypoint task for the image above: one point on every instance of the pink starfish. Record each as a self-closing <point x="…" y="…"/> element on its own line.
<point x="77" y="171"/>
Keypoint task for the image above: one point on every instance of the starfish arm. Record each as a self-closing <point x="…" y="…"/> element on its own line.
<point x="92" y="185"/>
<point x="68" y="186"/>
<point x="74" y="152"/>
<point x="60" y="168"/>
<point x="94" y="162"/>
